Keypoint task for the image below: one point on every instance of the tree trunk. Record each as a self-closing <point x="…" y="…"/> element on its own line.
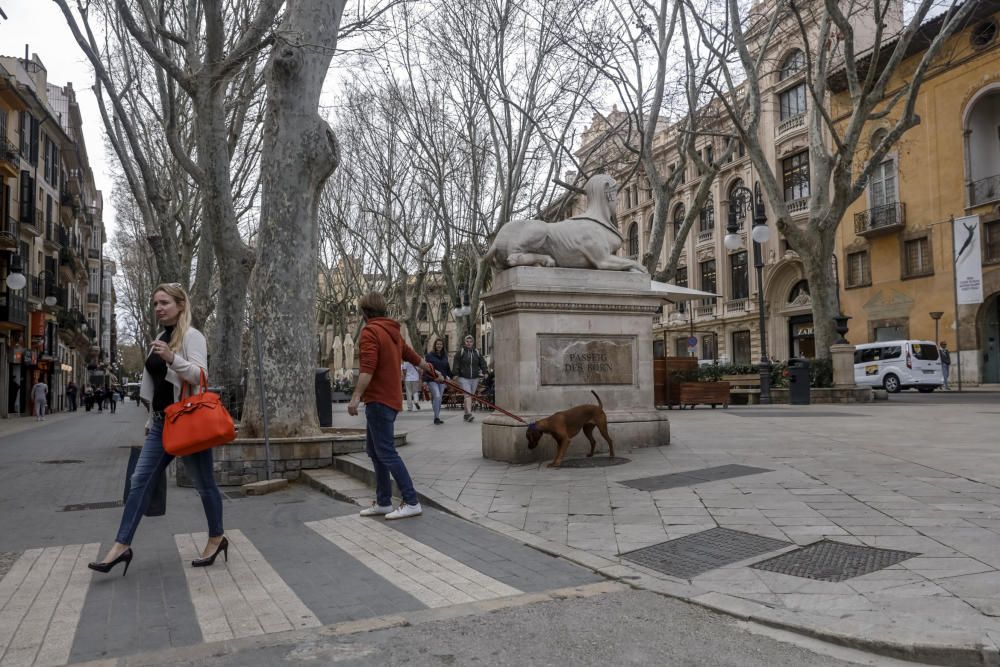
<point x="299" y="153"/>
<point x="817" y="265"/>
<point x="235" y="260"/>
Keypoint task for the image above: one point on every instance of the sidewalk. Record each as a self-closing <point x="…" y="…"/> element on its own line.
<point x="920" y="477"/>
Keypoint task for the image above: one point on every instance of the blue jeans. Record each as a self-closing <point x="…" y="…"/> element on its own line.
<point x="437" y="392"/>
<point x="152" y="461"/>
<point x="381" y="448"/>
<point x="945" y="372"/>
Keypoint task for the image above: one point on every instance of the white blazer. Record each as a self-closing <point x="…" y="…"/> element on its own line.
<point x="186" y="367"/>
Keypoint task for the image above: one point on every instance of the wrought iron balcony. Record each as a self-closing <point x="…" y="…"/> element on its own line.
<point x="984" y="190"/>
<point x="10" y="156"/>
<point x="13" y="308"/>
<point x="36" y="288"/>
<point x="880" y="220"/>
<point x="8" y="234"/>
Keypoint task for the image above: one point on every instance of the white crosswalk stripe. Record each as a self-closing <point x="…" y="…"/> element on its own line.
<point x="435" y="579"/>
<point x="246" y="598"/>
<point x="41" y="599"/>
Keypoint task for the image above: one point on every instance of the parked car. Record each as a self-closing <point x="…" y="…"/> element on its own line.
<point x="898" y="364"/>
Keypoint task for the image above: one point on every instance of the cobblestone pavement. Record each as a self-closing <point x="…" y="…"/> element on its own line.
<point x="918" y="474"/>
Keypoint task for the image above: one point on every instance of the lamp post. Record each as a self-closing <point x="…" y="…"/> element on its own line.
<point x="743" y="201"/>
<point x="15" y="275"/>
<point x="936" y="316"/>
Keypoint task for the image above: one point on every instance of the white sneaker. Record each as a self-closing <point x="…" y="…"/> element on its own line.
<point x="404" y="511"/>
<point x="376" y="510"/>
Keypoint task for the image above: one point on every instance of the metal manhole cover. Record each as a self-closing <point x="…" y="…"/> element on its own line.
<point x="691" y="555"/>
<point x="827" y="560"/>
<point x="105" y="505"/>
<point x="61" y="461"/>
<point x="595" y="462"/>
<point x="691" y="477"/>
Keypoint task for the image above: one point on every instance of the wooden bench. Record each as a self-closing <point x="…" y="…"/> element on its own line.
<point x="707" y="393"/>
<point x="747" y="385"/>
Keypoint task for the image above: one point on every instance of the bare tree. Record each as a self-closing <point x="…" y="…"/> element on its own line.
<point x="859" y="47"/>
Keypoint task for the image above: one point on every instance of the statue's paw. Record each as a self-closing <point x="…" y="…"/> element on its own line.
<point x="549" y="262"/>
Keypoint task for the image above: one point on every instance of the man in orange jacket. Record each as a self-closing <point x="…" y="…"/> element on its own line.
<point x="381" y="350"/>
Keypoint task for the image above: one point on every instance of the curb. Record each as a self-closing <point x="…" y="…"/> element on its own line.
<point x="942" y="648"/>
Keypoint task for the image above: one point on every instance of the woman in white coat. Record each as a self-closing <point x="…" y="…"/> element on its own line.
<point x="179" y="355"/>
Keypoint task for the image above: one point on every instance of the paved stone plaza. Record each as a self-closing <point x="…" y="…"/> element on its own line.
<point x="919" y="473"/>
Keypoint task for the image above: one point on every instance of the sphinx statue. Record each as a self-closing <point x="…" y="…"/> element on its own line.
<point x="585" y="241"/>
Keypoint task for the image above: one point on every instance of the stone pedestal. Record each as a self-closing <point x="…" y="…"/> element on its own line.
<point x="560" y="334"/>
<point x="843" y="365"/>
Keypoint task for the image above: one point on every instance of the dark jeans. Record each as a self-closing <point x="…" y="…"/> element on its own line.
<point x="72" y="403"/>
<point x="381" y="448"/>
<point x="152" y="461"/>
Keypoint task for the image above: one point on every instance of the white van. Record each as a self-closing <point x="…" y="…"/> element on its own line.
<point x="898" y="364"/>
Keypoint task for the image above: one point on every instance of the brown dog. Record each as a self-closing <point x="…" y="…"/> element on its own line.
<point x="564" y="425"/>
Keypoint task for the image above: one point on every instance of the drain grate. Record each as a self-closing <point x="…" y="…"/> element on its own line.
<point x="234" y="495"/>
<point x="105" y="505"/>
<point x="689" y="556"/>
<point x="61" y="461"/>
<point x="827" y="560"/>
<point x="691" y="477"/>
<point x="595" y="462"/>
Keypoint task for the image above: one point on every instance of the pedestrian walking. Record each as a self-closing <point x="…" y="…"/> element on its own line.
<point x="438" y="358"/>
<point x="411" y="380"/>
<point x="40" y="397"/>
<point x="88" y="397"/>
<point x="112" y="400"/>
<point x="382" y="349"/>
<point x="178" y="356"/>
<point x="71" y="391"/>
<point x="945" y="364"/>
<point x="470" y="367"/>
<point x="99" y="398"/>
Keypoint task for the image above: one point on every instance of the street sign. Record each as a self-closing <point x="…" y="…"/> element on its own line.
<point x="692" y="342"/>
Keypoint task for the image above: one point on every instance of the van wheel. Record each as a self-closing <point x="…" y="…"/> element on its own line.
<point x="891" y="383"/>
<point x="926" y="390"/>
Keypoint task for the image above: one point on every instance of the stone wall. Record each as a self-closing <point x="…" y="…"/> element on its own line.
<point x="826" y="396"/>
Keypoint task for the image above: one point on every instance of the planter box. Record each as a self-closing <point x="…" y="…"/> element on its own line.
<point x="704" y="393"/>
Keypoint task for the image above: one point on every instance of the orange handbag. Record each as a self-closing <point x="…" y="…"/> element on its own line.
<point x="196" y="422"/>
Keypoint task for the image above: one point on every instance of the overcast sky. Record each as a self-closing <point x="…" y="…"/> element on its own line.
<point x="40" y="25"/>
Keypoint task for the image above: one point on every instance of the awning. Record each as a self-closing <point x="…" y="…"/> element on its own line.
<point x="677" y="294"/>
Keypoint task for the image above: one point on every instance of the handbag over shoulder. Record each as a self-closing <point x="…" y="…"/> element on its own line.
<point x="196" y="422"/>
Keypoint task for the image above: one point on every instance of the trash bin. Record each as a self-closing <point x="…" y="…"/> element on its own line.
<point x="798" y="381"/>
<point x="324" y="397"/>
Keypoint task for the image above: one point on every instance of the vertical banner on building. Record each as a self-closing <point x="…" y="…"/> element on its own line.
<point x="968" y="260"/>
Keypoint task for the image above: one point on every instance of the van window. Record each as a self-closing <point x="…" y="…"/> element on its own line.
<point x="925" y="352"/>
<point x="866" y="356"/>
<point x="892" y="352"/>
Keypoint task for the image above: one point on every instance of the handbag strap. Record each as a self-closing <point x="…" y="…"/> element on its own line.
<point x="203" y="382"/>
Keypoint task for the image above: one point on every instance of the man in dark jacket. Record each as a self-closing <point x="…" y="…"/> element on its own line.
<point x="469" y="366"/>
<point x="381" y="350"/>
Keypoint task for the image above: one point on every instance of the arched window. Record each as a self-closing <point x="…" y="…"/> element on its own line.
<point x="706" y="222"/>
<point x="633" y="240"/>
<point x="793" y="64"/>
<point x="678" y="219"/>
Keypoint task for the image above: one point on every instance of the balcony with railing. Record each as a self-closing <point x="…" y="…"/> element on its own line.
<point x="743" y="305"/>
<point x="705" y="308"/>
<point x="10" y="157"/>
<point x="798" y="207"/>
<point x="8" y="234"/>
<point x="13" y="308"/>
<point x="984" y="191"/>
<point x="880" y="220"/>
<point x="36" y="288"/>
<point x="706" y="235"/>
<point x="789" y="125"/>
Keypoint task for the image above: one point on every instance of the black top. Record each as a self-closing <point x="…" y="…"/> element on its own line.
<point x="440" y="363"/>
<point x="163" y="391"/>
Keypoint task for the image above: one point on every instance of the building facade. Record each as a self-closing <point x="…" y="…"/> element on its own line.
<point x="896" y="244"/>
<point x="51" y="240"/>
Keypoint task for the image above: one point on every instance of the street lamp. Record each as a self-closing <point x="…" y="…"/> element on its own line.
<point x="936" y="316"/>
<point x="15" y="277"/>
<point x="743" y="201"/>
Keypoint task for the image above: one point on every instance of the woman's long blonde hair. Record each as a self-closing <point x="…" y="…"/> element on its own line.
<point x="180" y="297"/>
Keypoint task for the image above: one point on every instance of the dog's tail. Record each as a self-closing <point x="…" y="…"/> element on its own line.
<point x="598" y="398"/>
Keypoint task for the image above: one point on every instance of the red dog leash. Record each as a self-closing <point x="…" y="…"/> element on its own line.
<point x="479" y="398"/>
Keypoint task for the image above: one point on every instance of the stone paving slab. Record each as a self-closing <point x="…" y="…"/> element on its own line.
<point x="932" y="488"/>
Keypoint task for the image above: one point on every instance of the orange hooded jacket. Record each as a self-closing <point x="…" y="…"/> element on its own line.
<point x="381" y="351"/>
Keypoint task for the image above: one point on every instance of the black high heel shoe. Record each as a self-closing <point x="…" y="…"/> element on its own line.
<point x="123" y="557"/>
<point x="208" y="560"/>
